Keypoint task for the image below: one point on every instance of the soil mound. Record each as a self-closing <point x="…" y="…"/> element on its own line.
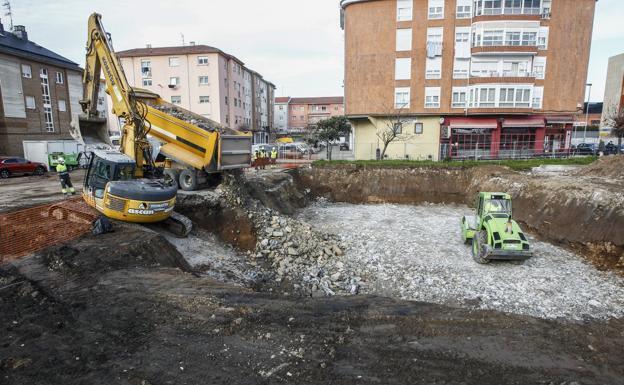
<point x="607" y="167"/>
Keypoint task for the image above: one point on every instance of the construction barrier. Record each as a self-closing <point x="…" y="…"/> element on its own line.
<point x="29" y="230"/>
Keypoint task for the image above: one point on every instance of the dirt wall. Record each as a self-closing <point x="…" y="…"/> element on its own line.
<point x="577" y="211"/>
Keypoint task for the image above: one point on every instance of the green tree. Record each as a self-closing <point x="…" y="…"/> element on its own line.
<point x="615" y="120"/>
<point x="328" y="131"/>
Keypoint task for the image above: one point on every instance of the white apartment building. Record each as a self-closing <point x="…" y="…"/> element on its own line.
<point x="202" y="79"/>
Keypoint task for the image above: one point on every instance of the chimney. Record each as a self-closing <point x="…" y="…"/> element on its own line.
<point x="20" y="31"/>
<point x="148" y="45"/>
<point x="192" y="43"/>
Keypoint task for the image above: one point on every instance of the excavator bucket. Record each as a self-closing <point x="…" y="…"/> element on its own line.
<point x="91" y="132"/>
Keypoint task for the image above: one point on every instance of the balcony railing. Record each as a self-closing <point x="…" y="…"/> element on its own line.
<point x="507" y="11"/>
<point x="504" y="74"/>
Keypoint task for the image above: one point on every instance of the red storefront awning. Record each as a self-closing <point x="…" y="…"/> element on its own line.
<point x="529" y="121"/>
<point x="473" y="123"/>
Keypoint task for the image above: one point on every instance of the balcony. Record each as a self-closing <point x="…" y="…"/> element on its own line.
<point x="499" y="48"/>
<point x="503" y="77"/>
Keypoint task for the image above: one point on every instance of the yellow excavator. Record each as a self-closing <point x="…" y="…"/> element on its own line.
<point x="126" y="183"/>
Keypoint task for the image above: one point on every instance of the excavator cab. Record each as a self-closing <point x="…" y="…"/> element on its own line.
<point x="110" y="187"/>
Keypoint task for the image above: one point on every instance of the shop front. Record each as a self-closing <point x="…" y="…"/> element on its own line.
<point x="503" y="137"/>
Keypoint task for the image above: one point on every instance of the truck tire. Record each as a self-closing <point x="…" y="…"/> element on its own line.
<point x="188" y="180"/>
<point x="479" y="247"/>
<point x="172" y="175"/>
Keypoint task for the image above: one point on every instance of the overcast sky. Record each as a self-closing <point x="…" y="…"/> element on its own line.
<point x="296" y="44"/>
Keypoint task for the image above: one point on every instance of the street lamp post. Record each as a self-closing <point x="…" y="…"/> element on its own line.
<point x="587" y="112"/>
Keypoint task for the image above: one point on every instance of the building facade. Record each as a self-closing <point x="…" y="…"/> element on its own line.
<point x="496" y="75"/>
<point x="281" y="115"/>
<point x="204" y="80"/>
<point x="614" y="87"/>
<point x="39" y="92"/>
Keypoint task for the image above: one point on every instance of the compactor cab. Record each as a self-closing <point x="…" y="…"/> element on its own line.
<point x="492" y="231"/>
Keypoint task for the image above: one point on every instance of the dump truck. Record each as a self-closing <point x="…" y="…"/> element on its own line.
<point x="492" y="232"/>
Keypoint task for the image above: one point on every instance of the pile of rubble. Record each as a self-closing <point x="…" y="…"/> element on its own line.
<point x="310" y="259"/>
<point x="188" y="117"/>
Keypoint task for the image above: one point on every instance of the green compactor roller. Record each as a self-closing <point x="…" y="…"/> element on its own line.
<point x="492" y="231"/>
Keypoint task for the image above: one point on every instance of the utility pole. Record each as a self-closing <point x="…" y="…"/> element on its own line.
<point x="587" y="112"/>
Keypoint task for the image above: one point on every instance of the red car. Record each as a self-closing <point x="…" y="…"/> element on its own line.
<point x="20" y="166"/>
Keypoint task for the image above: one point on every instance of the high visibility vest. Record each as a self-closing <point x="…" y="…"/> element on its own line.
<point x="274" y="154"/>
<point x="61" y="169"/>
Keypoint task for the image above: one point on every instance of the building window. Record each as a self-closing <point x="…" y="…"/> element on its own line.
<point x="174" y="81"/>
<point x="404" y="10"/>
<point x="147" y="82"/>
<point x="403" y="69"/>
<point x="513" y="38"/>
<point x="174" y="61"/>
<point x="202" y="61"/>
<point x="492" y="38"/>
<point x="542" y="38"/>
<point x="418" y="128"/>
<point x="436" y="9"/>
<point x="397" y="128"/>
<point x="59" y="78"/>
<point x="47" y="102"/>
<point x="433" y="68"/>
<point x="401" y="97"/>
<point x="26" y="71"/>
<point x="146" y="68"/>
<point x="203" y="80"/>
<point x="176" y="99"/>
<point x="404" y="39"/>
<point x="62" y="105"/>
<point x="487" y="97"/>
<point x="459" y="97"/>
<point x="204" y="99"/>
<point x="464" y="11"/>
<point x="432" y="97"/>
<point x="30" y="102"/>
<point x="529" y="38"/>
<point x="226" y="101"/>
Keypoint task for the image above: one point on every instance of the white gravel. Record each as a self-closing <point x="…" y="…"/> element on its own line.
<point x="205" y="253"/>
<point x="416" y="253"/>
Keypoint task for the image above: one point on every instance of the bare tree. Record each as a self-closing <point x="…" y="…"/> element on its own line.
<point x="391" y="130"/>
<point x="614" y="118"/>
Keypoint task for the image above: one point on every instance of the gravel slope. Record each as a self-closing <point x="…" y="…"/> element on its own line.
<point x="416" y="253"/>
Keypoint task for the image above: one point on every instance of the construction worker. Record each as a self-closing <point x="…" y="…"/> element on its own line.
<point x="66" y="184"/>
<point x="255" y="160"/>
<point x="273" y="156"/>
<point x="263" y="158"/>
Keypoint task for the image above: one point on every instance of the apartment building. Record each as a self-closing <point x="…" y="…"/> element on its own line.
<point x="468" y="78"/>
<point x="614" y="87"/>
<point x="206" y="81"/>
<point x="281" y="114"/>
<point x="39" y="92"/>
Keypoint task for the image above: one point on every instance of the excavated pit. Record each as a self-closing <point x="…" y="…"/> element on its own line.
<point x="136" y="307"/>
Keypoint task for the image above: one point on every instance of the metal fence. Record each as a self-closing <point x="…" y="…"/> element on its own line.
<point x="26" y="231"/>
<point x="474" y="149"/>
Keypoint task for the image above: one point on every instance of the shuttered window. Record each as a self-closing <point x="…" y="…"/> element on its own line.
<point x="12" y="92"/>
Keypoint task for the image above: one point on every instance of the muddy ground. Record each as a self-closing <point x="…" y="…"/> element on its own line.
<point x="128" y="308"/>
<point x="123" y="309"/>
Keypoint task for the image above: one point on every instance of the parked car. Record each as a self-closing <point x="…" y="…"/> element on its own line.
<point x="290" y="151"/>
<point x="586" y="149"/>
<point x="19" y="166"/>
<point x="344" y="146"/>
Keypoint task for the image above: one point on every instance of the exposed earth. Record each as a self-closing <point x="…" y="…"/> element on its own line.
<point x="264" y="293"/>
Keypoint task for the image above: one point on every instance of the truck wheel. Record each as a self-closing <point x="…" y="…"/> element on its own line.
<point x="188" y="180"/>
<point x="479" y="247"/>
<point x="40" y="171"/>
<point x="172" y="176"/>
<point x="5" y="174"/>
